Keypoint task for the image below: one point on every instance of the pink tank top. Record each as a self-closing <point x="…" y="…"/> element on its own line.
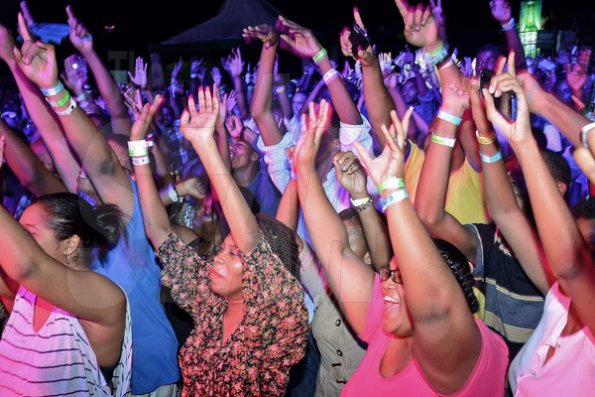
<point x="486" y="380"/>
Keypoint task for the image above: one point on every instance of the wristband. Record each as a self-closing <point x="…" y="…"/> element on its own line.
<point x="491" y="159"/>
<point x="442" y="115"/>
<point x="60" y="102"/>
<point x="360" y="202"/>
<point x="54" y="90"/>
<point x="509" y="25"/>
<point x="485" y="140"/>
<point x="363" y="207"/>
<point x="391" y="183"/>
<point x="330" y="76"/>
<point x="173" y="193"/>
<point x="446" y="64"/>
<point x="66" y="112"/>
<point x="141" y="160"/>
<point x="393" y="198"/>
<point x="280" y="89"/>
<point x="440" y="140"/>
<point x="138" y="148"/>
<point x="320" y="55"/>
<point x="585" y="134"/>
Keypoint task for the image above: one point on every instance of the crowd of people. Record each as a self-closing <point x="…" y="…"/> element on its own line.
<point x="410" y="226"/>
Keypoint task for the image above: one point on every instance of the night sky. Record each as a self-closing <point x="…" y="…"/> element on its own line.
<point x="469" y="21"/>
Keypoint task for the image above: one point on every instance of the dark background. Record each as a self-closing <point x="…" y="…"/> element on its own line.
<point x="139" y="24"/>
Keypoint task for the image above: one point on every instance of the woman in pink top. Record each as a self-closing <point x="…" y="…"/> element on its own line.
<point x="423" y="338"/>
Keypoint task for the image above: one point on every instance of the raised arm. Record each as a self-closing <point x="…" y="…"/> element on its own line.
<point x="502" y="202"/>
<point x="304" y="44"/>
<point x="446" y="340"/>
<point x="27" y="167"/>
<point x="38" y="62"/>
<point x="502" y="13"/>
<point x="567" y="253"/>
<point x="235" y="68"/>
<point x="350" y="279"/>
<point x="352" y="177"/>
<point x="378" y="101"/>
<point x="45" y="120"/>
<point x="198" y="129"/>
<point x="262" y="100"/>
<point x="82" y="40"/>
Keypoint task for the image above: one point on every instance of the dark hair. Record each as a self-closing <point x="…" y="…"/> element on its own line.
<point x="281" y="239"/>
<point x="98" y="228"/>
<point x="490" y="48"/>
<point x="459" y="266"/>
<point x="584" y="209"/>
<point x="557" y="166"/>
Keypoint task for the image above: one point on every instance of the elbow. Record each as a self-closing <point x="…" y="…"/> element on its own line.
<point x="429" y="218"/>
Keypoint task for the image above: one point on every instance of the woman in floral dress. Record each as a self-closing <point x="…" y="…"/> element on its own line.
<point x="248" y="308"/>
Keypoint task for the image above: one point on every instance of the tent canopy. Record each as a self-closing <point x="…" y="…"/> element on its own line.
<point x="226" y="27"/>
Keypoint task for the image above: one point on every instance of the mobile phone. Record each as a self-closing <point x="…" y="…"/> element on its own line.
<point x="485" y="76"/>
<point x="507" y="103"/>
<point x="359" y="39"/>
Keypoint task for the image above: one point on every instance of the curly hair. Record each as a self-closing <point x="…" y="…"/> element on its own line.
<point x="281" y="239"/>
<point x="459" y="266"/>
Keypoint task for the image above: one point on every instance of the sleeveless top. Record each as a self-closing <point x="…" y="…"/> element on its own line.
<point x="58" y="359"/>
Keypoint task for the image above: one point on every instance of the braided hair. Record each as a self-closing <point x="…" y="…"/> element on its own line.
<point x="281" y="239"/>
<point x="459" y="266"/>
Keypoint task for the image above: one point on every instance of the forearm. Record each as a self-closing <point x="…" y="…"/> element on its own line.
<point x="284" y="100"/>
<point x="567" y="120"/>
<point x="109" y="90"/>
<point x="342" y="101"/>
<point x="240" y="219"/>
<point x="559" y="234"/>
<point x="263" y="98"/>
<point x="378" y="101"/>
<point x="399" y="104"/>
<point x="27" y="167"/>
<point x="222" y="145"/>
<point x="243" y="104"/>
<point x="288" y="210"/>
<point x="514" y="44"/>
<point x="376" y="235"/>
<point x="49" y="129"/>
<point x="155" y="218"/>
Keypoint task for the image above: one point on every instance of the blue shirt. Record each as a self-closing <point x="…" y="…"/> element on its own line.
<point x="132" y="265"/>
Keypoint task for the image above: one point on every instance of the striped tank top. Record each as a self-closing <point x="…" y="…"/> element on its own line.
<point x="58" y="359"/>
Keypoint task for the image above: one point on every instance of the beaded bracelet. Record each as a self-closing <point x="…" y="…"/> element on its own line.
<point x="320" y="55"/>
<point x="440" y="140"/>
<point x="54" y="90"/>
<point x="391" y="183"/>
<point x="393" y="198"/>
<point x="442" y="115"/>
<point x="491" y="159"/>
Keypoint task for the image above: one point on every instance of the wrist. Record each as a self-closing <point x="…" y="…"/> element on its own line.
<point x="433" y="46"/>
<point x="358" y="195"/>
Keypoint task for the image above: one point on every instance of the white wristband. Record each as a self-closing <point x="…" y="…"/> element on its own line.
<point x="173" y="194"/>
<point x="141" y="160"/>
<point x="330" y="76"/>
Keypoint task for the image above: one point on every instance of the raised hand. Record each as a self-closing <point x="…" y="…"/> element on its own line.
<point x="265" y="33"/>
<point x="455" y="96"/>
<point x="500" y="11"/>
<point x="176" y="70"/>
<point x="313" y="127"/>
<point x="391" y="161"/>
<point x="364" y="55"/>
<point x="195" y="65"/>
<point x="75" y="73"/>
<point x="145" y="118"/>
<point x="216" y="75"/>
<point x="79" y="36"/>
<point x="421" y="29"/>
<point x="232" y="101"/>
<point x="192" y="187"/>
<point x="516" y="131"/>
<point x="234" y="64"/>
<point x="576" y="76"/>
<point x="140" y="74"/>
<point x="201" y="125"/>
<point x="297" y="39"/>
<point x="350" y="174"/>
<point x="234" y="125"/>
<point x="37" y="60"/>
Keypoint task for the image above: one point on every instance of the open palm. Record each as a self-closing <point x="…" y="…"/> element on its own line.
<point x="201" y="124"/>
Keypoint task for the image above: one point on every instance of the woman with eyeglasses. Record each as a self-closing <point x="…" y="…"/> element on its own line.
<point x="423" y="339"/>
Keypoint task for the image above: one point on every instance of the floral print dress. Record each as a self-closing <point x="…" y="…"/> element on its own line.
<point x="257" y="357"/>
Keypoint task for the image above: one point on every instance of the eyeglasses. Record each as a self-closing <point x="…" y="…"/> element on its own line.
<point x="395" y="275"/>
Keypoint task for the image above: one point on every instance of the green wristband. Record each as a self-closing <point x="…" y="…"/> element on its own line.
<point x="320" y="55"/>
<point x="391" y="183"/>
